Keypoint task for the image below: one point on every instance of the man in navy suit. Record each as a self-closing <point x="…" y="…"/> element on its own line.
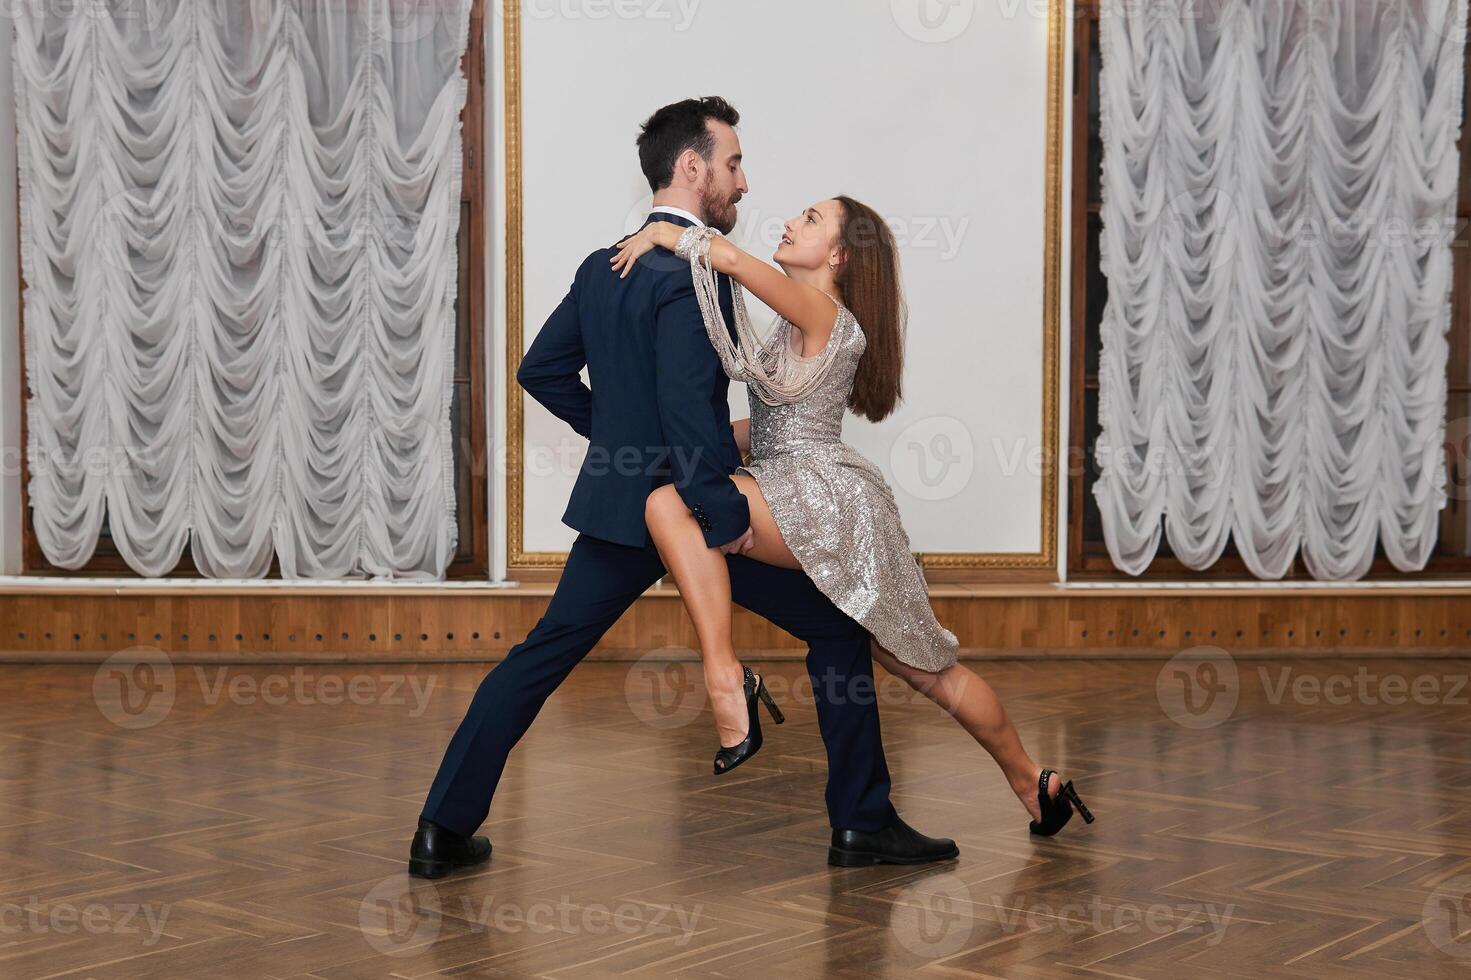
<point x="657" y="412"/>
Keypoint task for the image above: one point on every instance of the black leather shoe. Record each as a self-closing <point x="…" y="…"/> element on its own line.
<point x="436" y="851"/>
<point x="898" y="843"/>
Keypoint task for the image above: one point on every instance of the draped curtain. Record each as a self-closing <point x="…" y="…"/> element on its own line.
<point x="238" y="234"/>
<point x="1278" y="201"/>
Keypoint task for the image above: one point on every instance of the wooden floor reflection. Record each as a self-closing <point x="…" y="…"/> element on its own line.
<point x="1256" y="818"/>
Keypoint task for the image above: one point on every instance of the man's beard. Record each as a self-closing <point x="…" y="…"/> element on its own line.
<point x="720" y="211"/>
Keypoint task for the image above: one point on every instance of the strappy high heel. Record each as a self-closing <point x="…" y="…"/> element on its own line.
<point x="755" y="687"/>
<point x="1056" y="810"/>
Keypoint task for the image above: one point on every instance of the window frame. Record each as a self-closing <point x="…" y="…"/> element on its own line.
<point x="472" y="560"/>
<point x="1087" y="557"/>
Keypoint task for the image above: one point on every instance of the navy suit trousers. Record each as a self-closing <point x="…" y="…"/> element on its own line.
<point x="600" y="582"/>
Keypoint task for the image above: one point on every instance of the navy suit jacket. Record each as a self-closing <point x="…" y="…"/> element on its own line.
<point x="656" y="411"/>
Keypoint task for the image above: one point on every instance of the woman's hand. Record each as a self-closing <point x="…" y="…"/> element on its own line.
<point x="656" y="234"/>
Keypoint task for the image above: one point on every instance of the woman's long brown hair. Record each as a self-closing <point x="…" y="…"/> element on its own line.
<point x="869" y="278"/>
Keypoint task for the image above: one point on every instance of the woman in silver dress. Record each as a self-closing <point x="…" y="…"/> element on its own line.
<point x="816" y="504"/>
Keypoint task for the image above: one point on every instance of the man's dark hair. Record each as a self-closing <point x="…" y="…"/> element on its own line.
<point x="676" y="128"/>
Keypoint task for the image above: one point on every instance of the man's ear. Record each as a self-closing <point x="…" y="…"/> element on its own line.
<point x="688" y="164"/>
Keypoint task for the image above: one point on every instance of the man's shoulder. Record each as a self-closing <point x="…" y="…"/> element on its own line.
<point x="659" y="270"/>
<point x="596" y="259"/>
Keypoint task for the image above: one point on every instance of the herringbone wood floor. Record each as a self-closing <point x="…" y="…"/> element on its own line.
<point x="256" y="826"/>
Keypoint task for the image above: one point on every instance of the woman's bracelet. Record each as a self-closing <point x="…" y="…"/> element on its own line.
<point x="694" y="241"/>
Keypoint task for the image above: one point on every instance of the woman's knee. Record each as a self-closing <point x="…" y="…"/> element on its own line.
<point x="924" y="681"/>
<point x="663" y="505"/>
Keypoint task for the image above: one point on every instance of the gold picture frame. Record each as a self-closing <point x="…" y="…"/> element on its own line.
<point x="519" y="558"/>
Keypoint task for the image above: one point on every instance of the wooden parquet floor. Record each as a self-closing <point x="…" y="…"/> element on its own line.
<point x="163" y="820"/>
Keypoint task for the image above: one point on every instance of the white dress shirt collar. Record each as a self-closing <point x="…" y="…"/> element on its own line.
<point x="671" y="209"/>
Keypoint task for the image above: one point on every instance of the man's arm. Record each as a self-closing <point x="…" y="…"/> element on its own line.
<point x="686" y="370"/>
<point x="550" y="371"/>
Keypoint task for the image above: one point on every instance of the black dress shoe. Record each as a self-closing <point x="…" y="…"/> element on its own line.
<point x="898" y="843"/>
<point x="436" y="851"/>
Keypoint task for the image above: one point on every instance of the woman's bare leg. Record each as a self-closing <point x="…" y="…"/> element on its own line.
<point x="972" y="702"/>
<point x="704" y="585"/>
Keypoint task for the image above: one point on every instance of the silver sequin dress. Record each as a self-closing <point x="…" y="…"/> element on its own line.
<point x="834" y="509"/>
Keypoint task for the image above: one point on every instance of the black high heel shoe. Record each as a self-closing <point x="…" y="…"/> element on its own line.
<point x="728" y="758"/>
<point x="1056" y="810"/>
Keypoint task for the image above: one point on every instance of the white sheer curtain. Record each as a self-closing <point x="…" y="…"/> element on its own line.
<point x="238" y="232"/>
<point x="1279" y="188"/>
